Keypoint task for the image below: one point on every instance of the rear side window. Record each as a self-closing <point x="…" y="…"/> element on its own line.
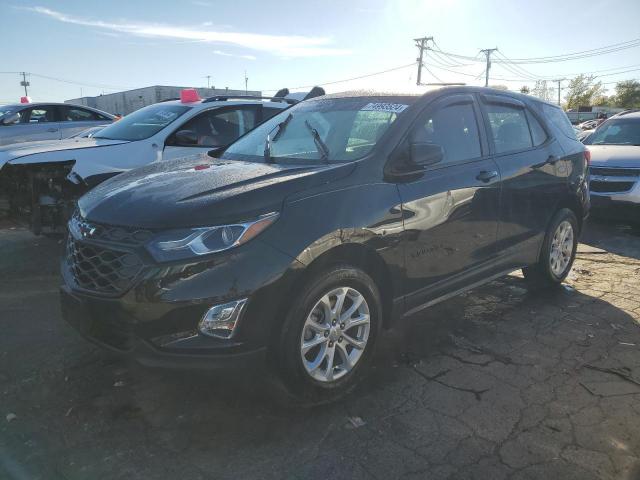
<point x="72" y="114"/>
<point x="215" y="128"/>
<point x="560" y="120"/>
<point x="454" y="128"/>
<point x="538" y="134"/>
<point x="509" y="128"/>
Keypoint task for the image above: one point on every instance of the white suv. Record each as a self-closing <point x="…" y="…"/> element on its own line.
<point x="50" y="176"/>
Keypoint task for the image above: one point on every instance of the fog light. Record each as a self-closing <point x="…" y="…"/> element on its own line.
<point x="220" y="320"/>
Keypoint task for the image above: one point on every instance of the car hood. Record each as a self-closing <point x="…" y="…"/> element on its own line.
<point x="9" y="153"/>
<point x="620" y="156"/>
<point x="200" y="191"/>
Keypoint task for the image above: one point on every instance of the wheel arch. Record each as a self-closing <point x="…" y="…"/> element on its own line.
<point x="357" y="255"/>
<point x="572" y="203"/>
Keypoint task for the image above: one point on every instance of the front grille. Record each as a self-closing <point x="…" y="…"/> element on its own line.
<point x="101" y="270"/>
<point x="128" y="236"/>
<point x="615" y="172"/>
<point x="610" y="187"/>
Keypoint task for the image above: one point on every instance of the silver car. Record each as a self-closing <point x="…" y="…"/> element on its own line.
<point x="615" y="165"/>
<point x="26" y="122"/>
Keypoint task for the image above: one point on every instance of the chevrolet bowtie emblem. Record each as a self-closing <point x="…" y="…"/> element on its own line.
<point x="86" y="230"/>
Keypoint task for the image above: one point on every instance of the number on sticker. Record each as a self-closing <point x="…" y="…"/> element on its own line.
<point x="385" y="107"/>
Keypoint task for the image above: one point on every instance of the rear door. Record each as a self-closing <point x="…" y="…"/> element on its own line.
<point x="451" y="211"/>
<point x="76" y="119"/>
<point x="533" y="175"/>
<point x="213" y="128"/>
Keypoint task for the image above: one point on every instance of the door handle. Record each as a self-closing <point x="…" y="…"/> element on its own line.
<point x="52" y="129"/>
<point x="487" y="175"/>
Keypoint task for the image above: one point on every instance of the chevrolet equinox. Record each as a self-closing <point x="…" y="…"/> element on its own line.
<point x="305" y="238"/>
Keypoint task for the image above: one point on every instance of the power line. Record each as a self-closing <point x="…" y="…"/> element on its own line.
<point x="558" y="58"/>
<point x="412" y="64"/>
<point x="71" y="82"/>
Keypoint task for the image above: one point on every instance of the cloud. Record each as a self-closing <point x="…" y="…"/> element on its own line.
<point x="282" y="45"/>
<point x="226" y="54"/>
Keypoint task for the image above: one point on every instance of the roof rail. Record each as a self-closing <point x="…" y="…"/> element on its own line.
<point x="223" y="98"/>
<point x="625" y="112"/>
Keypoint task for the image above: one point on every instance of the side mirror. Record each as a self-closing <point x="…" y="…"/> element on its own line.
<point x="11" y="119"/>
<point x="186" y="137"/>
<point x="425" y="154"/>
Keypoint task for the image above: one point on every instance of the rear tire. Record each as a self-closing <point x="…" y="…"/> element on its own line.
<point x="557" y="253"/>
<point x="329" y="335"/>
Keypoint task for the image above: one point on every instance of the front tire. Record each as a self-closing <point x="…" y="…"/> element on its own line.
<point x="558" y="252"/>
<point x="329" y="335"/>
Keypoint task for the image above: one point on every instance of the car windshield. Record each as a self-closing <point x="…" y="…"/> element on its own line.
<point x="320" y="131"/>
<point x="143" y="123"/>
<point x="617" y="132"/>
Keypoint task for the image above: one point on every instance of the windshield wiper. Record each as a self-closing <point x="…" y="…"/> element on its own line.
<point x="324" y="150"/>
<point x="279" y="128"/>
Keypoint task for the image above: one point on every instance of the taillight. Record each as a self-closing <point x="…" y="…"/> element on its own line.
<point x="587" y="156"/>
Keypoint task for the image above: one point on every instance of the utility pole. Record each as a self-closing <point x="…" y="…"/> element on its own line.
<point x="421" y="43"/>
<point x="559" y="80"/>
<point x="24" y="83"/>
<point x="208" y="81"/>
<point x="488" y="52"/>
<point x="246" y="83"/>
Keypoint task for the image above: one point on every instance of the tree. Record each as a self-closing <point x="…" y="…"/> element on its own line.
<point x="628" y="94"/>
<point x="542" y="91"/>
<point x="603" y="101"/>
<point x="525" y="90"/>
<point x="583" y="91"/>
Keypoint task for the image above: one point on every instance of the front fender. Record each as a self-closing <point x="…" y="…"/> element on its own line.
<point x="369" y="215"/>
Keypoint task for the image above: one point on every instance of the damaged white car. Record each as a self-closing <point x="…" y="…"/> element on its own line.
<point x="42" y="180"/>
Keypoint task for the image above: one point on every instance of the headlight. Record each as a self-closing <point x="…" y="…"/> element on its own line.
<point x="191" y="242"/>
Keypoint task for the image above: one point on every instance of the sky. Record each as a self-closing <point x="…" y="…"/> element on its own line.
<point x="76" y="48"/>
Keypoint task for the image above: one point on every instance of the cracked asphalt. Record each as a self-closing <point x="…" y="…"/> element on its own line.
<point x="500" y="383"/>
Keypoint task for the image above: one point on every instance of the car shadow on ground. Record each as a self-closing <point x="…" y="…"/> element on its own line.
<point x="498" y="381"/>
<point x="613" y="235"/>
<point x="478" y="352"/>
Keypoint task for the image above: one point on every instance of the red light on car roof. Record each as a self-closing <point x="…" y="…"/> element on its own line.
<point x="201" y="167"/>
<point x="25" y="100"/>
<point x="189" y="95"/>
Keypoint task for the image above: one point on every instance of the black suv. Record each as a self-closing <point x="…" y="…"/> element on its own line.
<point x="306" y="237"/>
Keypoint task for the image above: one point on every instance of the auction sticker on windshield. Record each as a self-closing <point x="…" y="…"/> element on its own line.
<point x="385" y="107"/>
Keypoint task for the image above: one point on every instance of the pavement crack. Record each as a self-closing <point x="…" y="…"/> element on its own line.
<point x="614" y="371"/>
<point x="435" y="378"/>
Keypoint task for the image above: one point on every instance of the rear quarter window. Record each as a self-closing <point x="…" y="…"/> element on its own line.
<point x="559" y="119"/>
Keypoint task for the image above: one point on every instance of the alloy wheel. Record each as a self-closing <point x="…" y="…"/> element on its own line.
<point x="561" y="248"/>
<point x="335" y="334"/>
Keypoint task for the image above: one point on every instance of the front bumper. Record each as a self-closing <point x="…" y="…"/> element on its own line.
<point x="156" y="321"/>
<point x="614" y="189"/>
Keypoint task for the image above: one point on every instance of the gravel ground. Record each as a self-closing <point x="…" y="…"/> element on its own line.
<point x="498" y="383"/>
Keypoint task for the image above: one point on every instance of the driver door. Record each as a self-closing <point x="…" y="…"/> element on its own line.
<point x="218" y="127"/>
<point x="451" y="211"/>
